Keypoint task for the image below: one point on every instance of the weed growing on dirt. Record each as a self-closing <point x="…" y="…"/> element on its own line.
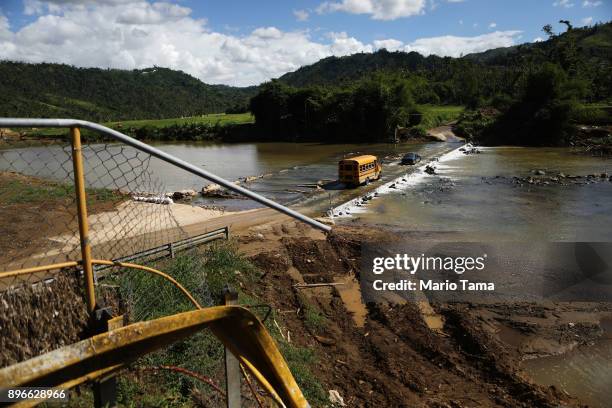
<point x="204" y="273"/>
<point x="301" y="361"/>
<point x="313" y="318"/>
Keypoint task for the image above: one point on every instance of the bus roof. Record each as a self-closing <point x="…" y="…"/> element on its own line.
<point x="366" y="158"/>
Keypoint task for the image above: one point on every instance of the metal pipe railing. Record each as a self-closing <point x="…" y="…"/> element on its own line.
<point x="75" y="123"/>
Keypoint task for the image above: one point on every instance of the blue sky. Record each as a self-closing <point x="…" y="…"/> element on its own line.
<point x="446" y="18"/>
<point x="241" y="42"/>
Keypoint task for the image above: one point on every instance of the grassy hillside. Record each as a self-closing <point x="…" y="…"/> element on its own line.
<point x="212" y="119"/>
<point x="203" y="127"/>
<point x="102" y="95"/>
<point x="434" y="116"/>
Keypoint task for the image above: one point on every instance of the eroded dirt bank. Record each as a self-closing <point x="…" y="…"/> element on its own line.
<point x="394" y="357"/>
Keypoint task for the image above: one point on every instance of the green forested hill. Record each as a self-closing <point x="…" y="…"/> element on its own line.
<point x="57" y="90"/>
<point x="530" y="94"/>
<point x="590" y="42"/>
<point x="492" y="71"/>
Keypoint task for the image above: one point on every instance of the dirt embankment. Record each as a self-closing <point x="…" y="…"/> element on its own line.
<point x="394" y="358"/>
<point x="444" y="134"/>
<point x="32" y="210"/>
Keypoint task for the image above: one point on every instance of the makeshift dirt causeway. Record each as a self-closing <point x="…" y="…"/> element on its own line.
<point x="392" y="357"/>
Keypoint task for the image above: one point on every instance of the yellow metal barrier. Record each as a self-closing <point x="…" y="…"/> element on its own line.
<point x="150" y="270"/>
<point x="79" y="187"/>
<point x="47" y="268"/>
<point x="235" y="326"/>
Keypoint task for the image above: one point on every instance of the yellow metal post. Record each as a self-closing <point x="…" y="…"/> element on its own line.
<point x="79" y="186"/>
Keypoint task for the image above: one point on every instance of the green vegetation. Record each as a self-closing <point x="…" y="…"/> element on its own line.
<point x="104" y="95"/>
<point x="210" y="119"/>
<point x="204" y="127"/>
<point x="204" y="272"/>
<point x="534" y="93"/>
<point x="368" y="110"/>
<point x="541" y="113"/>
<point x="486" y="74"/>
<point x="434" y="116"/>
<point x="593" y="114"/>
<point x="21" y="189"/>
<point x="313" y="318"/>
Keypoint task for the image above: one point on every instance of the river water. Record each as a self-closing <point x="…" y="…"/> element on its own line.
<point x="475" y="197"/>
<point x="584" y="372"/>
<point x="287" y="167"/>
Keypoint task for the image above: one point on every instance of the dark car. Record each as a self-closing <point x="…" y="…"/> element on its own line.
<point x="411" y="158"/>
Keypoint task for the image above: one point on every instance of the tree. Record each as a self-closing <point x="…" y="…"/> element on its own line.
<point x="567" y="23"/>
<point x="270" y="105"/>
<point x="541" y="115"/>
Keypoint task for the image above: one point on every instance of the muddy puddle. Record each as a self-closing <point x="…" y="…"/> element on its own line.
<point x="350" y="293"/>
<point x="585" y="372"/>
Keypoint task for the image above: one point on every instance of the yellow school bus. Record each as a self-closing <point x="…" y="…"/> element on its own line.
<point x="359" y="170"/>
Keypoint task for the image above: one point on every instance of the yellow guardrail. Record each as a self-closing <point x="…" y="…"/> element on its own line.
<point x="235" y="326"/>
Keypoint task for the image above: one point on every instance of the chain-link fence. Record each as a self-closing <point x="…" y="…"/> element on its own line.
<point x="128" y="212"/>
<point x="38" y="203"/>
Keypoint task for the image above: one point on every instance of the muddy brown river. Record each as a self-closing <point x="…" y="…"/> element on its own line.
<point x="477" y="197"/>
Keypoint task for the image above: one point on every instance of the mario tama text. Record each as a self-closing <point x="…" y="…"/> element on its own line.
<point x="399" y="265"/>
<point x="429" y="284"/>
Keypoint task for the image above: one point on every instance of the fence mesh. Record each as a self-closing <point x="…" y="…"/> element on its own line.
<point x="38" y="206"/>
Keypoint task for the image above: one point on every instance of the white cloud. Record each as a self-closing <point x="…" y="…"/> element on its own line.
<point x="588" y="3"/>
<point x="563" y="3"/>
<point x="538" y="39"/>
<point x="301" y="15"/>
<point x="267" y="33"/>
<point x="139" y="34"/>
<point x="450" y="45"/>
<point x="455" y="1"/>
<point x="390" y="44"/>
<point x="454" y="46"/>
<point x="493" y="24"/>
<point x="460" y="22"/>
<point x="377" y="9"/>
<point x="342" y="44"/>
<point x="586" y="21"/>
